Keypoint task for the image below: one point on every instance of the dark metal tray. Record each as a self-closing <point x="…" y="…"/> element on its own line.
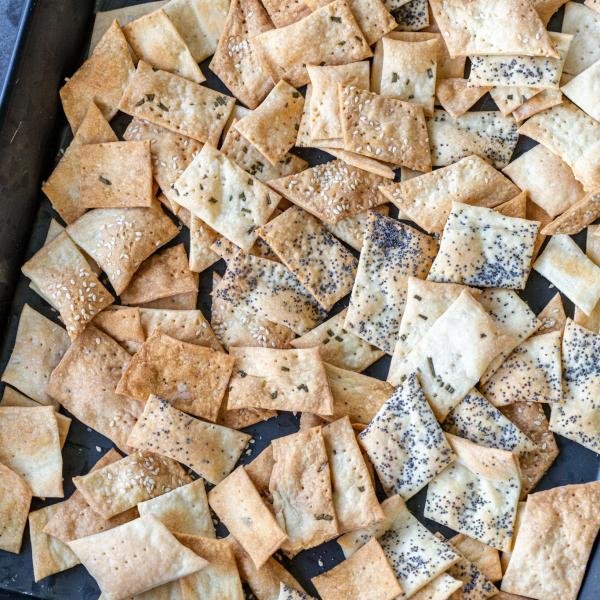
<point x="53" y="37"/>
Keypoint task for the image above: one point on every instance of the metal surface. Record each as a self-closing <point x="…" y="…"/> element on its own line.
<point x="32" y="129"/>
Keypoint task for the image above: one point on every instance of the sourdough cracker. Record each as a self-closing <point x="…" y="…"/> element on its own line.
<point x="123" y="324"/>
<point x="485" y="558"/>
<point x="286" y="12"/>
<point x="412" y="16"/>
<point x="511" y="98"/>
<point x="440" y="588"/>
<point x="584" y="25"/>
<point x="577" y="217"/>
<point x="552" y="316"/>
<point x="475" y="584"/>
<point x="201" y="239"/>
<point x="351" y="230"/>
<point x="15" y="499"/>
<point x="540" y="102"/>
<point x="456" y="96"/>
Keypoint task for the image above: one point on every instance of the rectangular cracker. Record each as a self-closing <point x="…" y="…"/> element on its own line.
<point x="227" y="198"/>
<point x="102" y="79"/>
<point x="330" y="24"/>
<point x="573" y="135"/>
<point x="84" y="382"/>
<point x="366" y="574"/>
<point x="384" y="128"/>
<point x="456" y="96"/>
<point x="239" y="506"/>
<point x="565" y="265"/>
<point x="155" y="40"/>
<point x="378" y="299"/>
<point x="405" y="442"/>
<point x="539" y="72"/>
<point x="584" y="25"/>
<point x="15" y="500"/>
<point x="578" y="216"/>
<point x="120" y="485"/>
<point x="478" y="28"/>
<point x="427" y="199"/>
<point x="337" y="346"/>
<point x="321" y="263"/>
<point x="268" y="290"/>
<point x="192" y="378"/>
<point x="488" y="134"/>
<point x="354" y="499"/>
<point x="306" y="513"/>
<point x="208" y="449"/>
<point x="451" y="357"/>
<point x="331" y="191"/>
<point x="494" y="250"/>
<point x="292" y="380"/>
<point x="30" y="446"/>
<point x="165" y="99"/>
<point x="145" y="553"/>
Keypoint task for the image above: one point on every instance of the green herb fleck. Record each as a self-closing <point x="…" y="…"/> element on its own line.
<point x="336" y="19"/>
<point x="104" y="180"/>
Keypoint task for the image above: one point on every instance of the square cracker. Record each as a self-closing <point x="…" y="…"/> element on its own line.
<point x="269" y="290"/>
<point x="30" y="446"/>
<point x="356" y="505"/>
<point x="478" y="494"/>
<point x="584" y="25"/>
<point x="321" y="263"/>
<point x="118" y="486"/>
<point x="120" y="239"/>
<point x="456" y="97"/>
<point x="239" y="506"/>
<point x="324" y="104"/>
<point x="219" y="579"/>
<point x="163" y="274"/>
<point x="199" y="22"/>
<point x="155" y="39"/>
<point x="305" y="511"/>
<point x="292" y="380"/>
<point x="482" y="247"/>
<point x="576" y="217"/>
<point x="480" y="27"/>
<point x="405" y="442"/>
<point x="208" y="449"/>
<point x="15" y="498"/>
<point x="478" y="421"/>
<point x="337" y="346"/>
<point x="392" y="252"/>
<point x="366" y="574"/>
<point x="384" y="128"/>
<point x="273" y="125"/>
<point x="452" y="355"/>
<point x="49" y="555"/>
<point x="427" y="199"/>
<point x="530" y="418"/>
<point x="554" y="542"/>
<point x="38" y="348"/>
<point x="63" y="185"/>
<point x="573" y="135"/>
<point x="184" y="510"/>
<point x="192" y="378"/>
<point x="225" y="197"/>
<point x="406" y="542"/>
<point x="355" y="395"/>
<point x="101" y="79"/>
<point x="408" y="71"/>
<point x="236" y="61"/>
<point x="84" y="382"/>
<point x="64" y="277"/>
<point x="165" y="99"/>
<point x="116" y="175"/>
<point x="531" y="373"/>
<point x="565" y="265"/>
<point x="331" y="191"/>
<point x="74" y="518"/>
<point x="488" y="134"/>
<point x="548" y="180"/>
<point x="578" y="416"/>
<point x="135" y="557"/>
<point x="330" y="25"/>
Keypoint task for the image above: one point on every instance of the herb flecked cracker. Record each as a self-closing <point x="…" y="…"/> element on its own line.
<point x="405" y="442"/>
<point x="377" y="299"/>
<point x="15" y="499"/>
<point x="481" y="247"/>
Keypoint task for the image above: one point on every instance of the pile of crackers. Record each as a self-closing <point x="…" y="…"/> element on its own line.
<point x="411" y="237"/>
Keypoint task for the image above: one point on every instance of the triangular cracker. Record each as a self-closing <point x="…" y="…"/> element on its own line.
<point x="378" y="299"/>
<point x="201" y="239"/>
<point x="38" y="348"/>
<point x="478" y="494"/>
<point x="101" y="79"/>
<point x="405" y="442"/>
<point x="15" y="498"/>
<point x="552" y="316"/>
<point x="456" y="96"/>
<point x="481" y="247"/>
<point x="165" y="99"/>
<point x="427" y="199"/>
